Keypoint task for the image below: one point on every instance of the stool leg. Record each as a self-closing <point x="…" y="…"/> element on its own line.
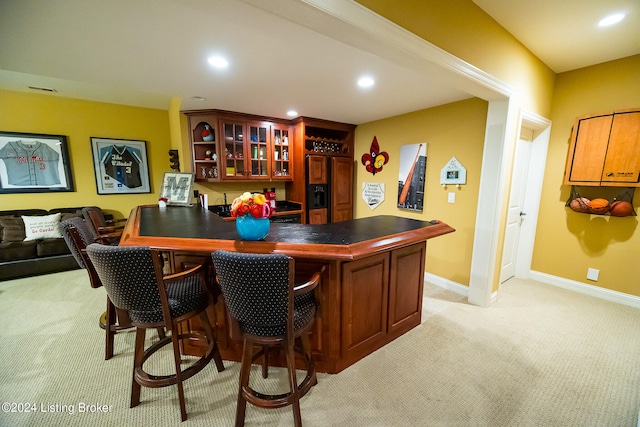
<point x="306" y="347"/>
<point x="211" y="337"/>
<point x="138" y="357"/>
<point x="293" y="383"/>
<point x="265" y="361"/>
<point x="176" y="357"/>
<point x="110" y="330"/>
<point x="245" y="369"/>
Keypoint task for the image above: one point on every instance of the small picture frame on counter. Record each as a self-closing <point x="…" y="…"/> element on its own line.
<point x="176" y="188"/>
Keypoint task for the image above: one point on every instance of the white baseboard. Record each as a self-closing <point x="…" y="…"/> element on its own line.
<point x="446" y="284"/>
<point x="572" y="285"/>
<point x="452" y="286"/>
<point x="584" y="288"/>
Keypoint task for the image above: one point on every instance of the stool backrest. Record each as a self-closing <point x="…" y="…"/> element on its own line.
<point x="94" y="215"/>
<point x="78" y="236"/>
<point x="128" y="275"/>
<point x="257" y="288"/>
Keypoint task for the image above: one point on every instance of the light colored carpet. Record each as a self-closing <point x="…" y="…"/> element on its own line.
<point x="540" y="356"/>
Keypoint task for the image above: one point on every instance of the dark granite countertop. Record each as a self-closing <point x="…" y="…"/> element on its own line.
<point x="194" y="222"/>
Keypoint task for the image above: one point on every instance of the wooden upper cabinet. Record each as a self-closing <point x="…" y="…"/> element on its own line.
<point x="204" y="147"/>
<point x="341" y="189"/>
<point x="588" y="150"/>
<point x="622" y="164"/>
<point x="282" y="159"/>
<point x="605" y="151"/>
<point x="317" y="170"/>
<point x="244" y="147"/>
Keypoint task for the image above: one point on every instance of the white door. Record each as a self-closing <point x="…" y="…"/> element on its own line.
<point x="516" y="215"/>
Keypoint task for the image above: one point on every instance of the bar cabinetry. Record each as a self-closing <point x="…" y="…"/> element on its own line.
<point x="204" y="148"/>
<point x="244" y="147"/>
<point x="385" y="289"/>
<point x="371" y="290"/>
<point x="327" y="157"/>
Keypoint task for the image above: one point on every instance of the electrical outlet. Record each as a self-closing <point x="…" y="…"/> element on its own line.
<point x="592" y="274"/>
<point x="451" y="198"/>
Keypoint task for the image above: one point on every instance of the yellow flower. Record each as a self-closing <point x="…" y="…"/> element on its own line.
<point x="259" y="199"/>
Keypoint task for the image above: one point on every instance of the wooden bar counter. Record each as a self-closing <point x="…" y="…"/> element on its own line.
<point x="371" y="291"/>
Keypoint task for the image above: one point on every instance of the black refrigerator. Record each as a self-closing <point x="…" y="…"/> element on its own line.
<point x="329" y="182"/>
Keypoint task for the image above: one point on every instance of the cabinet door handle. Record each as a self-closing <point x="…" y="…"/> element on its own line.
<point x="522" y="214"/>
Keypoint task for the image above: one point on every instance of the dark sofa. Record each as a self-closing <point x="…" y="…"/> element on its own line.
<point x="20" y="257"/>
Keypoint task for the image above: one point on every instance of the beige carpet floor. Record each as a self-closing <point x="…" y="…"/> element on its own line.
<point x="539" y="356"/>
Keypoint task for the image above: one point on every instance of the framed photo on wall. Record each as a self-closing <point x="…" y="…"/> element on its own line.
<point x="121" y="166"/>
<point x="412" y="176"/>
<point x="176" y="188"/>
<point x="34" y="163"/>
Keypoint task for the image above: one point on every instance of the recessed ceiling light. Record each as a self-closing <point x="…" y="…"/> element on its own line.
<point x="365" y="81"/>
<point x="611" y="20"/>
<point x="199" y="98"/>
<point x="44" y="89"/>
<point x="292" y="113"/>
<point x="218" y="62"/>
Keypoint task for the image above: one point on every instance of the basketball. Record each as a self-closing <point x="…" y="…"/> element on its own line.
<point x="621" y="208"/>
<point x="599" y="206"/>
<point x="580" y="204"/>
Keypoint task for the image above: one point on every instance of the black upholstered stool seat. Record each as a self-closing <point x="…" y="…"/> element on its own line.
<point x="304" y="311"/>
<point x="183" y="296"/>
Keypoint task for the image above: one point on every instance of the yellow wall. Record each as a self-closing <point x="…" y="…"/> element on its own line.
<point x="463" y="29"/>
<point x="455" y="129"/>
<point x="568" y="243"/>
<point x="80" y="120"/>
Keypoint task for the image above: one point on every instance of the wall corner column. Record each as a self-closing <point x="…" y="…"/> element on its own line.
<point x="175" y="132"/>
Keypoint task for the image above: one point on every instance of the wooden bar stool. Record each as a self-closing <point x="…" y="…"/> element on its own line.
<point x="266" y="309"/>
<point x="78" y="236"/>
<point x="133" y="278"/>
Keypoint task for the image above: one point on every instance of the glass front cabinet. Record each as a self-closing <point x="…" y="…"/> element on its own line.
<point x="281" y="169"/>
<point x="239" y="147"/>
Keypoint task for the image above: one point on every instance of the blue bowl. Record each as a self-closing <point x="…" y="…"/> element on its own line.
<point x="250" y="228"/>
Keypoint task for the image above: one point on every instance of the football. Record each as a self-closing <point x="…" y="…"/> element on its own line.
<point x="580" y="204"/>
<point x="621" y="208"/>
<point x="599" y="206"/>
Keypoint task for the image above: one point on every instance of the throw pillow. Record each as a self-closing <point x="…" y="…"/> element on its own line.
<point x="12" y="229"/>
<point x="41" y="227"/>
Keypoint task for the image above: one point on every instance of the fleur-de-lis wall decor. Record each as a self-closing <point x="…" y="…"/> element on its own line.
<point x="375" y="159"/>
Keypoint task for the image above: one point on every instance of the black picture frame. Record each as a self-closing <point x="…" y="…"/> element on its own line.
<point x="121" y="166"/>
<point x="34" y="163"/>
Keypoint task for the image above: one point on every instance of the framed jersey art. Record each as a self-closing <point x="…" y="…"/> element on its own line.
<point x="121" y="166"/>
<point x="34" y="163"/>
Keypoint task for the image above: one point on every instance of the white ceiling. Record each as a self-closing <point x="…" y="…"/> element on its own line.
<point x="564" y="34"/>
<point x="283" y="53"/>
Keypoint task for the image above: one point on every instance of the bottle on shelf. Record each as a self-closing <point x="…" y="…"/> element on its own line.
<point x="270" y="196"/>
